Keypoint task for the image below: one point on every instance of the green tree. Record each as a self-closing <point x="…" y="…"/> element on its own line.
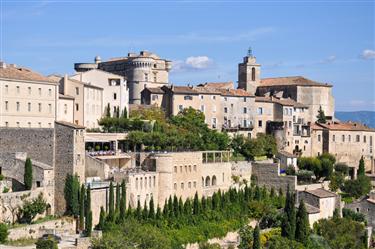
<point x="88" y="200"/>
<point x="302" y="224"/>
<point x="358" y="187"/>
<point x="82" y="207"/>
<point x="196" y="204"/>
<point x="321" y="117"/>
<point x="123" y="200"/>
<point x="32" y="208"/>
<point x="28" y="175"/>
<point x="49" y="243"/>
<point x="246" y="237"/>
<point x="138" y="211"/>
<point x="111" y="213"/>
<point x="88" y="224"/>
<point x="101" y="223"/>
<point x="256" y="238"/>
<point x="361" y="167"/>
<point x="125" y="113"/>
<point x="108" y="111"/>
<point x="237" y="144"/>
<point x="288" y="227"/>
<point x="3" y="233"/>
<point x="151" y="213"/>
<point x="118" y="196"/>
<point x="71" y="194"/>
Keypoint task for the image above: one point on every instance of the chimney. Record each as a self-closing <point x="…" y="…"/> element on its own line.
<point x="3" y="64"/>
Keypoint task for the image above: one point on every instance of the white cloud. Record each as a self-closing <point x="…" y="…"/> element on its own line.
<point x="368" y="54"/>
<point x="193" y="63"/>
<point x="329" y="59"/>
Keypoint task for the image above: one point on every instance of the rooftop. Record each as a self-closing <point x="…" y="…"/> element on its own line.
<point x="75" y="126"/>
<point x="321" y="193"/>
<point x="291" y="81"/>
<point x="207" y="90"/>
<point x="281" y="101"/>
<point x="218" y="85"/>
<point x="19" y="73"/>
<point x="311" y="209"/>
<point x="344" y="126"/>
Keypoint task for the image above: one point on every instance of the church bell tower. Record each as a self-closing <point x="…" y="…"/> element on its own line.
<point x="249" y="73"/>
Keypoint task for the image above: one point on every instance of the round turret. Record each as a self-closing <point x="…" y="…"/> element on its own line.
<point x="97" y="59"/>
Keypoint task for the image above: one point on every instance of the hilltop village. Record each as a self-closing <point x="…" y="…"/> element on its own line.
<point x="117" y="140"/>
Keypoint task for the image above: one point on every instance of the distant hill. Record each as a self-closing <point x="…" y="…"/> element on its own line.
<point x="365" y="117"/>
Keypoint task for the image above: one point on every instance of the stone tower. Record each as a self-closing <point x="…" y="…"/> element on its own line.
<point x="249" y="73"/>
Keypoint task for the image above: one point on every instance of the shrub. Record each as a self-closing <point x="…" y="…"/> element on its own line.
<point x="49" y="243"/>
<point x="5" y="190"/>
<point x="3" y="232"/>
<point x="342" y="168"/>
<point x="31" y="208"/>
<point x="290" y="171"/>
<point x="350" y="214"/>
<point x="358" y="187"/>
<point x="305" y="175"/>
<point x="1" y="177"/>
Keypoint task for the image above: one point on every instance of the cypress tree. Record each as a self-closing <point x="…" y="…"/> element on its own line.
<point x="158" y="213"/>
<point x="215" y="201"/>
<point x="288" y="228"/>
<point x="117" y="198"/>
<point x="170" y="207"/>
<point x="336" y="214"/>
<point x="187" y="207"/>
<point x="151" y="213"/>
<point x="101" y="223"/>
<point x="196" y="204"/>
<point x="71" y="194"/>
<point x="111" y="213"/>
<point x="204" y="204"/>
<point x="180" y="206"/>
<point x="165" y="209"/>
<point x="82" y="208"/>
<point x="129" y="211"/>
<point x="88" y="200"/>
<point x="125" y="113"/>
<point x="361" y="167"/>
<point x="302" y="224"/>
<point x="175" y="206"/>
<point x="108" y="111"/>
<point x="321" y="116"/>
<point x="257" y="195"/>
<point x="145" y="211"/>
<point x="88" y="224"/>
<point x="264" y="193"/>
<point x="272" y="194"/>
<point x="138" y="211"/>
<point x="123" y="201"/>
<point x="256" y="238"/>
<point x="28" y="175"/>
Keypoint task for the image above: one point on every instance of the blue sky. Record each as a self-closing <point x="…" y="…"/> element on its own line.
<point x="327" y="41"/>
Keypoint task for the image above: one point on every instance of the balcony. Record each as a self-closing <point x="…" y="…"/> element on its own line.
<point x="237" y="128"/>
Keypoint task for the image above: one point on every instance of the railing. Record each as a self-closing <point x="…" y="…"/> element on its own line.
<point x="237" y="128"/>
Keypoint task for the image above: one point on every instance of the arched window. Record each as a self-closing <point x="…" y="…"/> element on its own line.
<point x="202" y="182"/>
<point x="213" y="181"/>
<point x="207" y="181"/>
<point x="253" y="74"/>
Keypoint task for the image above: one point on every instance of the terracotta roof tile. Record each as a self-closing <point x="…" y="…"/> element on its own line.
<point x="281" y="101"/>
<point x="220" y="85"/>
<point x="19" y="73"/>
<point x="292" y="80"/>
<point x="345" y="126"/>
<point x="208" y="90"/>
<point x="321" y="193"/>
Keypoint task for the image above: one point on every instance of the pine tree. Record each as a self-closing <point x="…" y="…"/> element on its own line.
<point x="111" y="213"/>
<point x="361" y="168"/>
<point x="88" y="224"/>
<point x="101" y="223"/>
<point x="256" y="238"/>
<point x="151" y="213"/>
<point x="321" y="116"/>
<point x="28" y="175"/>
<point x="82" y="208"/>
<point x="117" y="210"/>
<point x="302" y="224"/>
<point x="123" y="201"/>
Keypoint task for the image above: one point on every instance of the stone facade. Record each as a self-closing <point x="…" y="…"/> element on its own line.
<point x="28" y="99"/>
<point x="141" y="70"/>
<point x="366" y="206"/>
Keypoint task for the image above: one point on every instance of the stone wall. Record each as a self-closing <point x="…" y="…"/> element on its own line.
<point x="365" y="206"/>
<point x="267" y="174"/>
<point x="60" y="226"/>
<point x="38" y="143"/>
<point x="95" y="167"/>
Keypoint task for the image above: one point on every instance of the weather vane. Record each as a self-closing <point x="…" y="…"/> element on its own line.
<point x="250" y="52"/>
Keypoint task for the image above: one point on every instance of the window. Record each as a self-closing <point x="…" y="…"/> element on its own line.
<point x="18" y="106"/>
<point x="49" y="92"/>
<point x="201" y="96"/>
<point x="180" y="169"/>
<point x="155" y="77"/>
<point x="49" y="125"/>
<point x="253" y="74"/>
<point x="182" y="185"/>
<point x="77" y="107"/>
<point x="213" y="97"/>
<point x="349" y="138"/>
<point x="214" y="123"/>
<point x="18" y="89"/>
<point x="49" y="108"/>
<point x="195" y="168"/>
<point x="245" y="123"/>
<point x="6" y="124"/>
<point x="343" y="138"/>
<point x="244" y="99"/>
<point x="186" y="169"/>
<point x="260" y="110"/>
<point x="136" y="183"/>
<point x="175" y="169"/>
<point x="29" y="107"/>
<point x="187" y="97"/>
<point x="155" y="97"/>
<point x="175" y="186"/>
<point x="244" y="110"/>
<point x="18" y="124"/>
<point x="40" y="124"/>
<point x="77" y="91"/>
<point x="225" y="110"/>
<point x="225" y="98"/>
<point x="29" y="124"/>
<point x="6" y="106"/>
<point x="364" y="139"/>
<point x="357" y="138"/>
<point x="180" y="108"/>
<point x="259" y="123"/>
<point x="195" y="184"/>
<point x="114" y="96"/>
<point x="319" y="138"/>
<point x="6" y="88"/>
<point x="333" y="138"/>
<point x="65" y="108"/>
<point x="29" y="90"/>
<point x="40" y="91"/>
<point x="202" y="108"/>
<point x="146" y="76"/>
<point x="189" y="184"/>
<point x="290" y="124"/>
<point x="189" y="168"/>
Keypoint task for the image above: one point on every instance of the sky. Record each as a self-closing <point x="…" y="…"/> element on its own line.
<point x="327" y="41"/>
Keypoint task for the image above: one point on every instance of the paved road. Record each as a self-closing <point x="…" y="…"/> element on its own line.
<point x="66" y="242"/>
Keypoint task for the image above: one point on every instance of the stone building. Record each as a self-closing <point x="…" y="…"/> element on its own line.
<point x="140" y="70"/>
<point x="115" y="92"/>
<point x="320" y="203"/>
<point x="28" y="99"/>
<point x="347" y="141"/>
<point x="366" y="206"/>
<point x="65" y="108"/>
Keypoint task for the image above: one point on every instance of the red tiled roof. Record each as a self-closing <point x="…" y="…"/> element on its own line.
<point x="345" y="126"/>
<point x="282" y="101"/>
<point x="208" y="90"/>
<point x="19" y="73"/>
<point x="292" y="80"/>
<point x="220" y="85"/>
